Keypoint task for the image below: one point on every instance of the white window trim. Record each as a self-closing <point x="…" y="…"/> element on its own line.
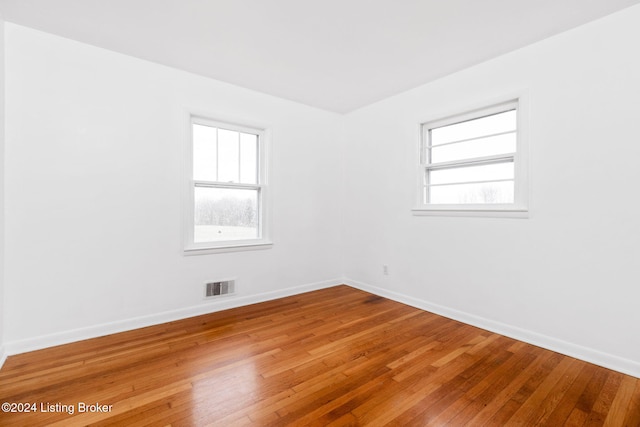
<point x="264" y="137"/>
<point x="520" y="207"/>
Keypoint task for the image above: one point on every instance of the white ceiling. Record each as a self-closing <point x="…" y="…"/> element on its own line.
<point x="337" y="55"/>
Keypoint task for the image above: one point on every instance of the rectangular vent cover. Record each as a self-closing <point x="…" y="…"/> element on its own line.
<point x="224" y="287"/>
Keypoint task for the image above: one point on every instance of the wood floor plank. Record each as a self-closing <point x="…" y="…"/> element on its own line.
<point x="530" y="409"/>
<point x="485" y="390"/>
<point x="577" y="418"/>
<point x="618" y="410"/>
<point x="563" y="409"/>
<point x="604" y="400"/>
<point x="438" y="407"/>
<point x="338" y="356"/>
<point x="632" y="417"/>
<point x="503" y="395"/>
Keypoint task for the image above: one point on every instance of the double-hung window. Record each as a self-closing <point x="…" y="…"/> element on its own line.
<point x="473" y="162"/>
<point x="227" y="187"/>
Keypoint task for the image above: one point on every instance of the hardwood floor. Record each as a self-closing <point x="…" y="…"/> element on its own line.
<point x="333" y="357"/>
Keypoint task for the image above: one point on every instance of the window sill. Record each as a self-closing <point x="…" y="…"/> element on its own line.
<point x="238" y="247"/>
<point x="481" y="212"/>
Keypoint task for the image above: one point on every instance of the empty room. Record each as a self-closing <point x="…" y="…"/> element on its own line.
<point x="345" y="213"/>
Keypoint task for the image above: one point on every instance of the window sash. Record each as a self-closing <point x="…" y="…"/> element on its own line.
<point x="472" y="161"/>
<point x="240" y="170"/>
<point x="216" y="184"/>
<point x="259" y="212"/>
<point x="474" y="114"/>
<point x="426" y="165"/>
<point x="489" y="160"/>
<point x="444" y="144"/>
<point x="260" y="187"/>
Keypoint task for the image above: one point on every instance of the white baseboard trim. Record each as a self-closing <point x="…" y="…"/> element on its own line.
<point x="66" y="337"/>
<point x="3" y="356"/>
<point x="590" y="355"/>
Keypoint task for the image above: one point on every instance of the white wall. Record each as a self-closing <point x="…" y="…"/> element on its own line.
<point x="568" y="276"/>
<point x="93" y="215"/>
<point x="2" y="169"/>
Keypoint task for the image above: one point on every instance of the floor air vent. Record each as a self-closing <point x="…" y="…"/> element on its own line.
<point x="215" y="289"/>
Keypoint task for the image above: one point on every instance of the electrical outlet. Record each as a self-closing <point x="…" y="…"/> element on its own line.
<point x="385" y="269"/>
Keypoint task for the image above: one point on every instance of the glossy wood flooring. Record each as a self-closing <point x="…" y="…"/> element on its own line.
<point x="334" y="357"/>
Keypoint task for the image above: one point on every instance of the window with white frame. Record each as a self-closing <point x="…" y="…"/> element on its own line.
<point x="474" y="162"/>
<point x="227" y="190"/>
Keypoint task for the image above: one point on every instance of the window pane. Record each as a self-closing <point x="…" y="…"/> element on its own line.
<point x="228" y="156"/>
<point x="497" y="123"/>
<point x="477" y="148"/>
<point x="491" y="192"/>
<point x="225" y="214"/>
<point x="204" y="153"/>
<point x="248" y="158"/>
<point x="487" y="172"/>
